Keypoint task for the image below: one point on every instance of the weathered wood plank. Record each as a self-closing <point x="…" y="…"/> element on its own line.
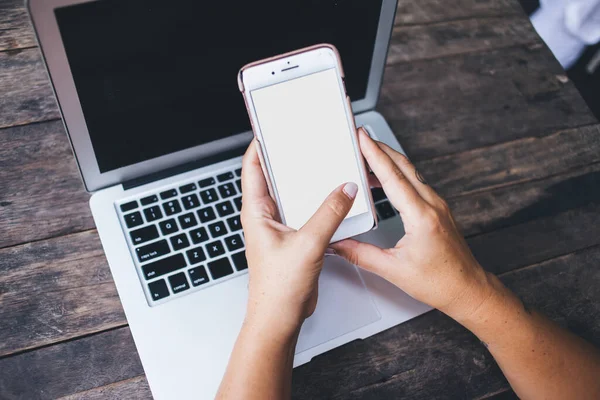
<point x="430" y="356"/>
<point x="131" y="389"/>
<point x="443" y="106"/>
<point x="51" y="290"/>
<point x="26" y="93"/>
<point x="70" y="367"/>
<point x="430" y="11"/>
<point x="486" y="211"/>
<point x="411" y="43"/>
<point x="55" y="290"/>
<point x="15" y="29"/>
<point x="516" y="161"/>
<point x="41" y="192"/>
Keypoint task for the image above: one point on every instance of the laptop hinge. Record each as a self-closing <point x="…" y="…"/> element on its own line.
<point x="166" y="173"/>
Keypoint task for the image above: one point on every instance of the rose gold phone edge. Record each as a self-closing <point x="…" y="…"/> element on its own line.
<point x="266" y="168"/>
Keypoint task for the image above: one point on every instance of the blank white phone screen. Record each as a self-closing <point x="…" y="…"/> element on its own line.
<point x="308" y="143"/>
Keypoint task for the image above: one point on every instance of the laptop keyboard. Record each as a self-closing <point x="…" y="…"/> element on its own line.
<point x="190" y="237"/>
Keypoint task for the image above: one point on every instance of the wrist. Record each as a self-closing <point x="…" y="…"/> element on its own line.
<point x="271" y="326"/>
<point x="473" y="296"/>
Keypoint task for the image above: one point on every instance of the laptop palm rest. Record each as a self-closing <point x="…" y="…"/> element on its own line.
<point x="344" y="305"/>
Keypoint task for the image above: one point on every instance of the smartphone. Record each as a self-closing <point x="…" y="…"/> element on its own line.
<point x="303" y="122"/>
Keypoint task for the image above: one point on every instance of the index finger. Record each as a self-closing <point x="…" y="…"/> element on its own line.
<point x="256" y="200"/>
<point x="398" y="188"/>
<point x="254" y="185"/>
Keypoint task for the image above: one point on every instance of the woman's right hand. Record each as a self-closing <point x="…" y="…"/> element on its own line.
<point x="432" y="262"/>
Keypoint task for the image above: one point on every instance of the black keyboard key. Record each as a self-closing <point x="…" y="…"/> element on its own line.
<point x="198" y="276"/>
<point x="385" y="210"/>
<point x="171" y="207"/>
<point x="234" y="242"/>
<point x="152" y="213"/>
<point x="378" y="194"/>
<point x="152" y="250"/>
<point x="168" y="226"/>
<point x="206" y="214"/>
<point x="190" y="187"/>
<point x="240" y="261"/>
<point x="225" y="177"/>
<point x="238" y="172"/>
<point x="220" y="268"/>
<point x="178" y="283"/>
<point x="144" y="234"/>
<point x="134" y="219"/>
<point x="239" y="185"/>
<point x="238" y="203"/>
<point x="215" y="249"/>
<point x="234" y="223"/>
<point x="209" y="196"/>
<point x="180" y="242"/>
<point x="206" y="182"/>
<point x="158" y="289"/>
<point x="132" y="205"/>
<point x="217" y="229"/>
<point x="227" y="190"/>
<point x="190" y="201"/>
<point x="225" y="208"/>
<point x="199" y="235"/>
<point x="196" y="255"/>
<point x="149" y="200"/>
<point x="164" y="266"/>
<point x="167" y="194"/>
<point x="187" y="220"/>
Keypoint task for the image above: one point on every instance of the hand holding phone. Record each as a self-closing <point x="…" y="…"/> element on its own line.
<point x="303" y="123"/>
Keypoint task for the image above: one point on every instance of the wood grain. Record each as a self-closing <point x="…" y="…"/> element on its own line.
<point x="26" y="93"/>
<point x="55" y="290"/>
<point x="420" y="42"/>
<point x="430" y="356"/>
<point x="443" y="106"/>
<point x="130" y="389"/>
<point x="41" y="193"/>
<point x="516" y="161"/>
<point x="430" y="11"/>
<point x="58" y="289"/>
<point x="71" y="367"/>
<point x="15" y="29"/>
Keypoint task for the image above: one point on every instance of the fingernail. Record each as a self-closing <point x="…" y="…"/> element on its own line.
<point x="330" y="252"/>
<point x="351" y="189"/>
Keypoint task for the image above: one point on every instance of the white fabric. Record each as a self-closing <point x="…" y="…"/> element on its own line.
<point x="567" y="26"/>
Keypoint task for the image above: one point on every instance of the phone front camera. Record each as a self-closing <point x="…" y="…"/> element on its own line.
<point x="273" y="73"/>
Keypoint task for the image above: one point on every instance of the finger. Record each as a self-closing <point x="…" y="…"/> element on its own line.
<point x="374" y="181"/>
<point x="397" y="187"/>
<point x="366" y="256"/>
<point x="323" y="224"/>
<point x="411" y="173"/>
<point x="255" y="191"/>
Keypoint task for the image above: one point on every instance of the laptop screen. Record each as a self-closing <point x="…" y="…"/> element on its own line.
<point x="155" y="77"/>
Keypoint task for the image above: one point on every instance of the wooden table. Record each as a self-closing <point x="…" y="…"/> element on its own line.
<point x="480" y="105"/>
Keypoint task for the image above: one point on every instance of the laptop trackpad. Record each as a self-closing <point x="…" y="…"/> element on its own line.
<point x="344" y="305"/>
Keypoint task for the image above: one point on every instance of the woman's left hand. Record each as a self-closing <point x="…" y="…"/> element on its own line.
<point x="284" y="264"/>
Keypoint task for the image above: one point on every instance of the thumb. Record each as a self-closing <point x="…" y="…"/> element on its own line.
<point x="323" y="224"/>
<point x="366" y="256"/>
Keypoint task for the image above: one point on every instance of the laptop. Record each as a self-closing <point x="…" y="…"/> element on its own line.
<point x="148" y="93"/>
